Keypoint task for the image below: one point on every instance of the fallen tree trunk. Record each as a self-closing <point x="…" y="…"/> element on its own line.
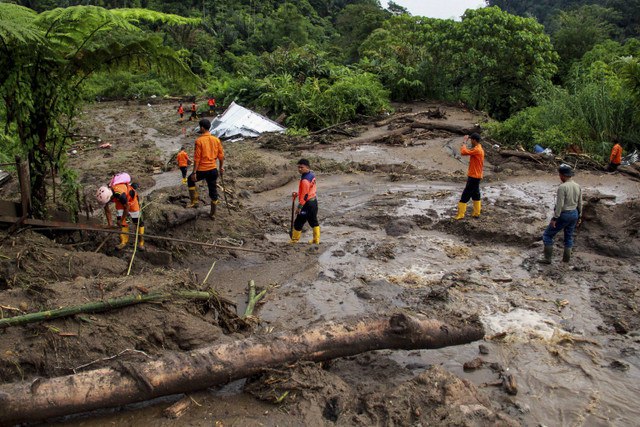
<point x="461" y="130"/>
<point x="206" y="367"/>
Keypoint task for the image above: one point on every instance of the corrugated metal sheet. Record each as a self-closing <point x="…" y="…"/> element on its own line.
<point x="238" y="121"/>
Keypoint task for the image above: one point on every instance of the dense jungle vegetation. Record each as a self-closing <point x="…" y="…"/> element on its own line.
<point x="549" y="73"/>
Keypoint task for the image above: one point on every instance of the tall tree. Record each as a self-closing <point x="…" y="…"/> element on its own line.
<point x="45" y="59"/>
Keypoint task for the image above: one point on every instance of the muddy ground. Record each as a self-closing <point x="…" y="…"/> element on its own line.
<point x="569" y="333"/>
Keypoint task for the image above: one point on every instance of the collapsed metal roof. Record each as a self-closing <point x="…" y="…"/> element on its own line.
<point x="238" y="121"/>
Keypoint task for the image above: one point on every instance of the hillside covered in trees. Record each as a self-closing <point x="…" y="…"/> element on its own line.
<point x="550" y="74"/>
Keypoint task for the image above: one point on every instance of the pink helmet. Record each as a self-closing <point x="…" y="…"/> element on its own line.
<point x="104" y="194"/>
<point x="121" y="178"/>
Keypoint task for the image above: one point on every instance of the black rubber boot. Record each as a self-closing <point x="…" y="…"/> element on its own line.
<point x="548" y="253"/>
<point x="566" y="255"/>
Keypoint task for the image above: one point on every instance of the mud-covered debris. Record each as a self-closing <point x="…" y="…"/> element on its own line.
<point x="474" y="364"/>
<point x="618" y="365"/>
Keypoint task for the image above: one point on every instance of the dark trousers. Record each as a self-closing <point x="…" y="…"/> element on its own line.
<point x="211" y="176"/>
<point x="567" y="222"/>
<point x="308" y="213"/>
<point x="471" y="190"/>
<point x="612" y="167"/>
<point x="183" y="169"/>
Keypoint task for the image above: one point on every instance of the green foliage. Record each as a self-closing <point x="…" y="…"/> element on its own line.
<point x="43" y="80"/>
<point x="594" y="112"/>
<point x="576" y="31"/>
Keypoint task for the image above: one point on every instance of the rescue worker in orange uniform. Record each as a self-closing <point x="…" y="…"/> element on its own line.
<point x="127" y="204"/>
<point x="474" y="176"/>
<point x="183" y="161"/>
<point x="307" y="210"/>
<point x="208" y="150"/>
<point x="615" y="158"/>
<point x="212" y="105"/>
<point x="194" y="109"/>
<point x="181" y="111"/>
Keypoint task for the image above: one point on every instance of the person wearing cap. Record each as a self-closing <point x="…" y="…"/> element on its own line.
<point x="307" y="210"/>
<point x="208" y="153"/>
<point x="615" y="158"/>
<point x="566" y="214"/>
<point x="474" y="176"/>
<point x="127" y="204"/>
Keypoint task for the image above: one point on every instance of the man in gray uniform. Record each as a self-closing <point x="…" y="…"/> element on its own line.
<point x="566" y="214"/>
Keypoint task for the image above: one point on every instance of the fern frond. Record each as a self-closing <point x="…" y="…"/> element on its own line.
<point x="136" y="15"/>
<point x="17" y="25"/>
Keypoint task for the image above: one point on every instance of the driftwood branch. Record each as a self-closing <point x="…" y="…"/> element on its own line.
<point x="183" y="372"/>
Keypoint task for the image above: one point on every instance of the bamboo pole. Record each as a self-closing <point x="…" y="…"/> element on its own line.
<point x="99" y="306"/>
<point x="221" y="363"/>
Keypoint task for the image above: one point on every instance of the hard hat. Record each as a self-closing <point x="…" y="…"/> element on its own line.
<point x="104" y="194"/>
<point x="566" y="170"/>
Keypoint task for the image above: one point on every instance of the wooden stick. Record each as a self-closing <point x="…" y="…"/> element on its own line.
<point x="151" y="236"/>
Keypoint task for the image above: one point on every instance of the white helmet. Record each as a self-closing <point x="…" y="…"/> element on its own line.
<point x="104" y="194"/>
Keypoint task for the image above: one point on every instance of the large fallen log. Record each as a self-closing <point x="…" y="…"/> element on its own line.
<point x="460" y="130"/>
<point x="183" y="372"/>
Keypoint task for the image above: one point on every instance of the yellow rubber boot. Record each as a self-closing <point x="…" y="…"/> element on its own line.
<point x="295" y="236"/>
<point x="214" y="205"/>
<point x="193" y="194"/>
<point x="462" y="209"/>
<point x="184" y="180"/>
<point x="141" y="238"/>
<point x="124" y="238"/>
<point x="477" y="208"/>
<point x="316" y="236"/>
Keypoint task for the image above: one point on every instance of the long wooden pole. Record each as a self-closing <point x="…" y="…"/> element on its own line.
<point x="50" y="225"/>
<point x="206" y="367"/>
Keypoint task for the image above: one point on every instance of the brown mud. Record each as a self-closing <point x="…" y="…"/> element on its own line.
<point x="569" y="333"/>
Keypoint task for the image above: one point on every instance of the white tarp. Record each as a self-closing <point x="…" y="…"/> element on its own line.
<point x="238" y="121"/>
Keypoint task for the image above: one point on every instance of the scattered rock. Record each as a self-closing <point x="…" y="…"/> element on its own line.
<point x="473" y="364"/>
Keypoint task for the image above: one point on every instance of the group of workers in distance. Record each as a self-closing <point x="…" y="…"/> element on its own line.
<point x="211" y="103"/>
<point x="208" y="165"/>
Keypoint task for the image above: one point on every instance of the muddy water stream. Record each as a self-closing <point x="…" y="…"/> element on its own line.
<point x="386" y="244"/>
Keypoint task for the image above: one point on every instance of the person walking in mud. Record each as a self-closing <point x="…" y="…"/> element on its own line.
<point x="181" y="111"/>
<point x="212" y="105"/>
<point x="183" y="162"/>
<point x="307" y="210"/>
<point x="566" y="215"/>
<point x="127" y="203"/>
<point x="474" y="176"/>
<point x="615" y="158"/>
<point x="208" y="153"/>
<point x="194" y="111"/>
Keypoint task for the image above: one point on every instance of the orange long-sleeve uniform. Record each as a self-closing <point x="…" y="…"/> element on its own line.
<point x="180" y="110"/>
<point x="182" y="158"/>
<point x="125" y="194"/>
<point x="208" y="150"/>
<point x="476" y="161"/>
<point x="306" y="188"/>
<point x="616" y="154"/>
